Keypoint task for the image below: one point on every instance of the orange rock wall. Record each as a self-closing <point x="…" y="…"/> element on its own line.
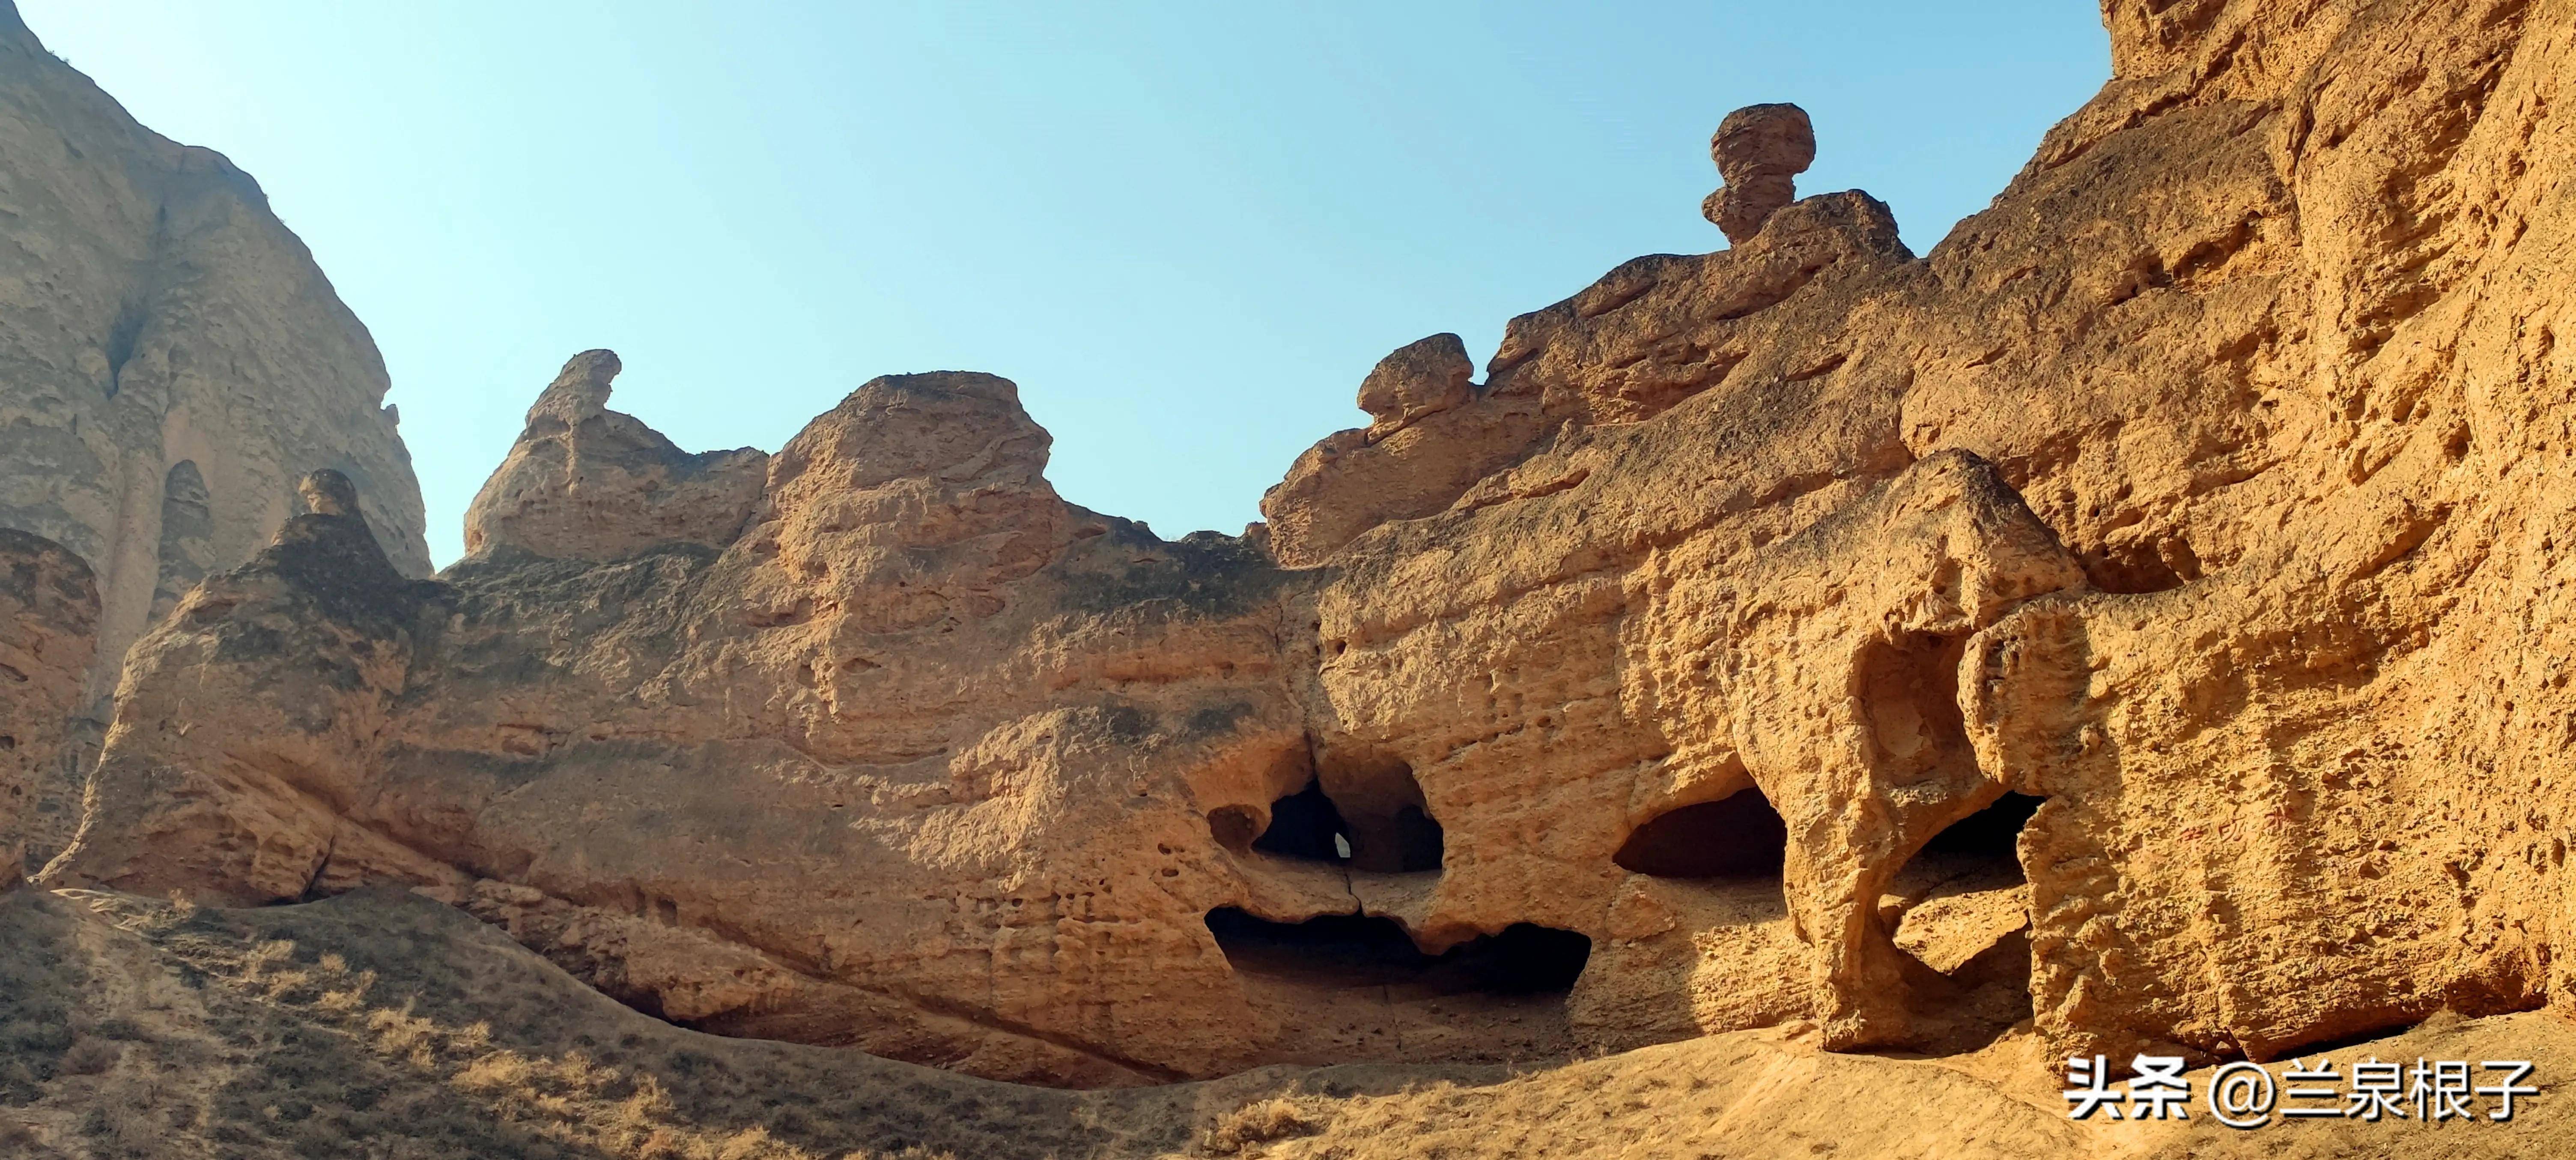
<point x="2205" y="492"/>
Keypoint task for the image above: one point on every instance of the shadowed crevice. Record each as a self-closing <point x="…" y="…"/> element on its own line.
<point x="1521" y="959"/>
<point x="1739" y="837"/>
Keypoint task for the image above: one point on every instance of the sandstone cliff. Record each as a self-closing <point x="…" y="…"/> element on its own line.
<point x="171" y="360"/>
<point x="2141" y="616"/>
<point x="48" y="622"/>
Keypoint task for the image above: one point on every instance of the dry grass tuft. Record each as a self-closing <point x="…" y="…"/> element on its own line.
<point x="1259" y="1123"/>
<point x="91" y="1056"/>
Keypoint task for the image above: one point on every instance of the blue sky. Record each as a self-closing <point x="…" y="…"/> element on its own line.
<point x="1186" y="230"/>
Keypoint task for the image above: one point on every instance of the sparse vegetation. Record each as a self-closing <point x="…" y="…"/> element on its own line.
<point x="1261" y="1122"/>
<point x="364" y="1051"/>
<point x="35" y="1007"/>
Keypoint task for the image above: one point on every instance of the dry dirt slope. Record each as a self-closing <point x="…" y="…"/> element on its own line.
<point x="382" y="1025"/>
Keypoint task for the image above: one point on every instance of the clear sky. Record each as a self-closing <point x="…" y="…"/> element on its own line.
<point x="1186" y="230"/>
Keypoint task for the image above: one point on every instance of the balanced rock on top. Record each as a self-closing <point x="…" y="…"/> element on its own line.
<point x="1760" y="150"/>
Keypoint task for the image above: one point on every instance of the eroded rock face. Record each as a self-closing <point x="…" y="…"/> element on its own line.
<point x="2143" y="614"/>
<point x="1423" y="378"/>
<point x="589" y="483"/>
<point x="1760" y="150"/>
<point x="48" y="626"/>
<point x="171" y="361"/>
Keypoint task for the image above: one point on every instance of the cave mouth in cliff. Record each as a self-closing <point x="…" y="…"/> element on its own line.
<point x="1405" y="841"/>
<point x="1738" y="837"/>
<point x="1992" y="834"/>
<point x="1306" y="825"/>
<point x="1523" y="959"/>
<point x="1311" y="826"/>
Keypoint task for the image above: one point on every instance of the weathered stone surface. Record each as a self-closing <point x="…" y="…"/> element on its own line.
<point x="1419" y="379"/>
<point x="1760" y="150"/>
<point x="589" y="483"/>
<point x="2143" y="615"/>
<point x="171" y="360"/>
<point x="48" y="626"/>
<point x="392" y="1018"/>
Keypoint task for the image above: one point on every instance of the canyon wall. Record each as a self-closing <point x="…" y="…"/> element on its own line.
<point x="2142" y="615"/>
<point x="171" y="360"/>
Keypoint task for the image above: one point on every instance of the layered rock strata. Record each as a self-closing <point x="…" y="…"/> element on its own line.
<point x="48" y="630"/>
<point x="587" y="482"/>
<point x="171" y="360"/>
<point x="1760" y="150"/>
<point x="2142" y="615"/>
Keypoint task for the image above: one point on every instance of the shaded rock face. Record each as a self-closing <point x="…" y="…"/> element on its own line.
<point x="2145" y="614"/>
<point x="48" y="630"/>
<point x="171" y="360"/>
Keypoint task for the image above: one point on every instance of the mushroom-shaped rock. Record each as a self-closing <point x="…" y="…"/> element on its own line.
<point x="1760" y="150"/>
<point x="1421" y="378"/>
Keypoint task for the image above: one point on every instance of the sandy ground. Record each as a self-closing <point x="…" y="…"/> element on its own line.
<point x="381" y="1025"/>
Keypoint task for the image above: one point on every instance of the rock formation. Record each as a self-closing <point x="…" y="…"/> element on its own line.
<point x="2143" y="615"/>
<point x="587" y="482"/>
<point x="170" y="361"/>
<point x="48" y="626"/>
<point x="1760" y="150"/>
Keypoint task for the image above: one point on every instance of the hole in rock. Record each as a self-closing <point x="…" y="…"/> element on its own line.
<point x="1382" y="826"/>
<point x="1910" y="689"/>
<point x="1354" y="988"/>
<point x="2141" y="566"/>
<point x="1961" y="907"/>
<point x="1389" y="821"/>
<point x="1992" y="834"/>
<point x="1307" y="825"/>
<point x="1419" y="842"/>
<point x="1350" y="949"/>
<point x="1735" y="837"/>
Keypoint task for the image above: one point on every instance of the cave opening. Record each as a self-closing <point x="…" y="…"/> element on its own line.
<point x="1411" y="842"/>
<point x="1991" y="835"/>
<point x="1390" y="830"/>
<point x="1523" y="959"/>
<point x="1961" y="907"/>
<point x="2149" y="564"/>
<point x="1306" y="825"/>
<point x="1738" y="837"/>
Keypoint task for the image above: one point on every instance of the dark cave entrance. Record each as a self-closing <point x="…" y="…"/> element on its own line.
<point x="1418" y="843"/>
<point x="1737" y="838"/>
<point x="1306" y="825"/>
<point x="1522" y="959"/>
<point x="1991" y="835"/>
<point x="1387" y="829"/>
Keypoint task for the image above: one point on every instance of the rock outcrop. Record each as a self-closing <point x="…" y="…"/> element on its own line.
<point x="48" y="626"/>
<point x="171" y="360"/>
<point x="585" y="482"/>
<point x="1760" y="150"/>
<point x="2143" y="615"/>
